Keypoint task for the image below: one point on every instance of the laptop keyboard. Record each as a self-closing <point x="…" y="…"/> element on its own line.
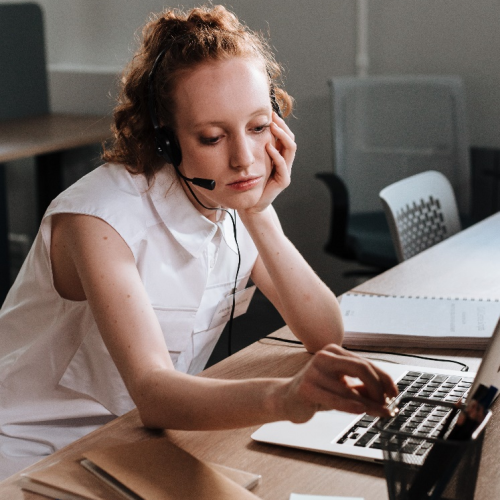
<point x="413" y="417"/>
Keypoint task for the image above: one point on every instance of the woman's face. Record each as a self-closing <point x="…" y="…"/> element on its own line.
<point x="223" y="113"/>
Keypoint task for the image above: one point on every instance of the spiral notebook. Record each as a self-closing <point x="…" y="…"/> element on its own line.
<point x="405" y="321"/>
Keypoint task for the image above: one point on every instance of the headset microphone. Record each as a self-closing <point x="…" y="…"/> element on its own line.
<point x="197" y="181"/>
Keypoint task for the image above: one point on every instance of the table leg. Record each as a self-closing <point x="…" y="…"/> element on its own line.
<point x="4" y="240"/>
<point x="49" y="181"/>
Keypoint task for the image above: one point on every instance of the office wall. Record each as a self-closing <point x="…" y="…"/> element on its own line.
<point x="88" y="41"/>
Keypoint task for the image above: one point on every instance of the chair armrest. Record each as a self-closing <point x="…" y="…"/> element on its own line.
<point x="337" y="242"/>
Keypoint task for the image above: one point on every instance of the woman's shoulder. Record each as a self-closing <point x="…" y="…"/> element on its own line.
<point x="109" y="192"/>
<point x="103" y="181"/>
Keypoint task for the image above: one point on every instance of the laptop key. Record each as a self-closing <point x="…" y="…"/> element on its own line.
<point x="365" y="439"/>
<point x="409" y="448"/>
<point x="364" y="423"/>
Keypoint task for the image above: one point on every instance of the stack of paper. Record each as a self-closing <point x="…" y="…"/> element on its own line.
<point x="372" y="320"/>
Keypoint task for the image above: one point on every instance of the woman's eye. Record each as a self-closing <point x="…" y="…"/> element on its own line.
<point x="209" y="141"/>
<point x="261" y="128"/>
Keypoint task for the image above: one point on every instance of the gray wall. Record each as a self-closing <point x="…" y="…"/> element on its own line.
<point x="88" y="41"/>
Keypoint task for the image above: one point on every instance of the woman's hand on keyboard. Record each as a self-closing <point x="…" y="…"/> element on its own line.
<point x="336" y="379"/>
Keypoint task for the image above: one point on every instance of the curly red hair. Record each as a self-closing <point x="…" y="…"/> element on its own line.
<point x="202" y="34"/>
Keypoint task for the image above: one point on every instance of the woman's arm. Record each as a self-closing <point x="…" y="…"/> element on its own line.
<point x="91" y="261"/>
<point x="306" y="304"/>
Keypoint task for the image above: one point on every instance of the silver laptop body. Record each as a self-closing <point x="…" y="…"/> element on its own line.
<point x="345" y="434"/>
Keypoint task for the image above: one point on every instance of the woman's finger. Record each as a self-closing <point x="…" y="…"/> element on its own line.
<point x="388" y="383"/>
<point x="324" y="393"/>
<point x="356" y="367"/>
<point x="288" y="146"/>
<point x="286" y="138"/>
<point x="282" y="169"/>
<point x="281" y="123"/>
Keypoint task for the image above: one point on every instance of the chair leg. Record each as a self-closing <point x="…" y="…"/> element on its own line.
<point x="4" y="240"/>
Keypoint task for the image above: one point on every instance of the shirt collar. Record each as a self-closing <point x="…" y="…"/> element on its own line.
<point x="187" y="225"/>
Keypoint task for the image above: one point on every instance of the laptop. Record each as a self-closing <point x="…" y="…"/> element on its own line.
<point x="355" y="436"/>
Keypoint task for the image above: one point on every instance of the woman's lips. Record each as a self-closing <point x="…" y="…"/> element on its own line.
<point x="245" y="184"/>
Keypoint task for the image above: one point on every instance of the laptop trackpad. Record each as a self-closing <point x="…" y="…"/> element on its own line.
<point x="325" y="427"/>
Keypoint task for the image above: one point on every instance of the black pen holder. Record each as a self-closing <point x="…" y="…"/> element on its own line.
<point x="419" y="466"/>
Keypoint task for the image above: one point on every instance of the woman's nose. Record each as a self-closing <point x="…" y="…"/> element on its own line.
<point x="241" y="154"/>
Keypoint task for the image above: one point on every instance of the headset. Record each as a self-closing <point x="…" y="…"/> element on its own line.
<point x="166" y="143"/>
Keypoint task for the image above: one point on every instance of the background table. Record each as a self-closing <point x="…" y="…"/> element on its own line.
<point x="46" y="138"/>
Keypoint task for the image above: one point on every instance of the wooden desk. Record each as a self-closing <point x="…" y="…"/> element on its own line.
<point x="289" y="470"/>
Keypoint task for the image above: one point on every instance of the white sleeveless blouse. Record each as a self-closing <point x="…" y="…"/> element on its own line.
<point x="57" y="379"/>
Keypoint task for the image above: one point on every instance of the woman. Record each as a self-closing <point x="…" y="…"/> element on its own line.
<point x="117" y="303"/>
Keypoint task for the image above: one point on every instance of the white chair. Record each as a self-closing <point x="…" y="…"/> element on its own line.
<point x="421" y="211"/>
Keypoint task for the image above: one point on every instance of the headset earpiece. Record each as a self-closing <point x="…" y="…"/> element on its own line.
<point x="167" y="147"/>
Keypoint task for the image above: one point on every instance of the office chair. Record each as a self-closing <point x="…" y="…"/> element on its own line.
<point x="421" y="211"/>
<point x="384" y="129"/>
<point x="23" y="91"/>
<point x="363" y="237"/>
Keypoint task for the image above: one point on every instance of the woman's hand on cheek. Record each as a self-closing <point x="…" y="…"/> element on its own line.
<point x="282" y="153"/>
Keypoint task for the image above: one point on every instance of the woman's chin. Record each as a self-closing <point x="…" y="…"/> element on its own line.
<point x="246" y="200"/>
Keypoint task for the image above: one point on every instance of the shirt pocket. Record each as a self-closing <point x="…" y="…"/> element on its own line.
<point x="177" y="326"/>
